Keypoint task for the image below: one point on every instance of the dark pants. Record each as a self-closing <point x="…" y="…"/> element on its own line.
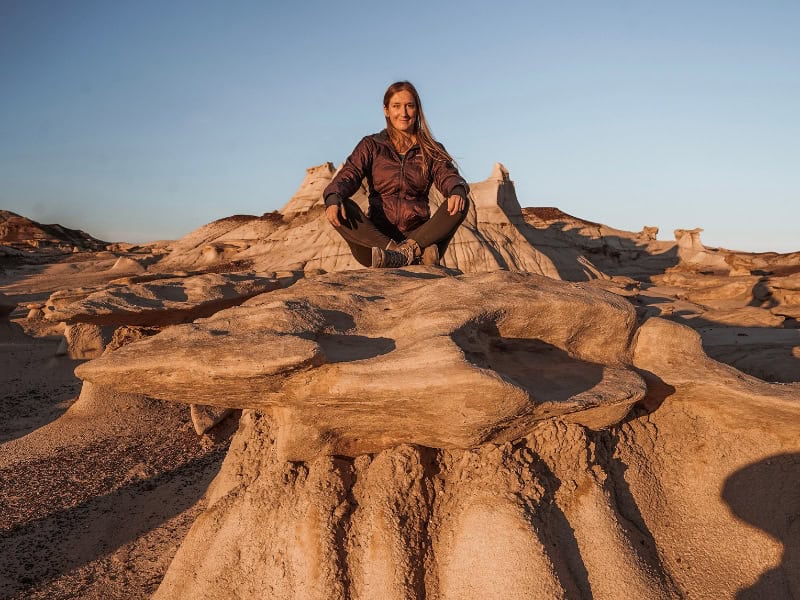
<point x="362" y="235"/>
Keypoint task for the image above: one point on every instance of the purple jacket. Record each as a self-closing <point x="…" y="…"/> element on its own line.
<point x="398" y="190"/>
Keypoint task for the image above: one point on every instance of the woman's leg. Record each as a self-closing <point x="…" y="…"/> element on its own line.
<point x="360" y="233"/>
<point x="439" y="229"/>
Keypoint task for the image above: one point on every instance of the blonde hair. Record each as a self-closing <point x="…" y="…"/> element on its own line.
<point x="429" y="147"/>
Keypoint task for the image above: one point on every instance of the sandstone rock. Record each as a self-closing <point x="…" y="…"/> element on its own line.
<point x="572" y="243"/>
<point x="204" y="418"/>
<point x="128" y="265"/>
<point x="649" y="234"/>
<point x="24" y="234"/>
<point x="157" y="302"/>
<point x="310" y="192"/>
<point x="84" y="340"/>
<point x="413" y="522"/>
<point x="300" y="237"/>
<point x="35" y="314"/>
<point x="343" y="362"/>
<point x="495" y="198"/>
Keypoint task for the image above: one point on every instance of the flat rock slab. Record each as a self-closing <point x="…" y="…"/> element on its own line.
<point x="356" y="362"/>
<point x="158" y="302"/>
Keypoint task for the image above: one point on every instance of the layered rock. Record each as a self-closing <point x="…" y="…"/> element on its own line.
<point x="659" y="506"/>
<point x="584" y="249"/>
<point x="23" y="234"/>
<point x="300" y="237"/>
<point x="164" y="301"/>
<point x="344" y="362"/>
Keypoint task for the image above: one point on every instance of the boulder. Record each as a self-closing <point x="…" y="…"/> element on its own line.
<point x="157" y="302"/>
<point x="354" y="363"/>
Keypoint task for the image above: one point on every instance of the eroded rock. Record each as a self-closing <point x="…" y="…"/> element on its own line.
<point x="358" y="362"/>
<point x="157" y="302"/>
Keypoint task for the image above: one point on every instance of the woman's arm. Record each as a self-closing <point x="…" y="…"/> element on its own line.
<point x="450" y="184"/>
<point x="350" y="176"/>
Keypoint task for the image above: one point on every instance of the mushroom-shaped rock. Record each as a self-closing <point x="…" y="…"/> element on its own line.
<point x="158" y="302"/>
<point x="648" y="233"/>
<point x="351" y="363"/>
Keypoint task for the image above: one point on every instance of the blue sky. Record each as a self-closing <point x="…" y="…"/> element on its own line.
<point x="143" y="120"/>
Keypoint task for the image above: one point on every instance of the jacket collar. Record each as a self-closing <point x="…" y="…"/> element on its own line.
<point x="383" y="138"/>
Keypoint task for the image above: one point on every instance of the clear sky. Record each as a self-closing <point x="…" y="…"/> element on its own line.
<point x="142" y="120"/>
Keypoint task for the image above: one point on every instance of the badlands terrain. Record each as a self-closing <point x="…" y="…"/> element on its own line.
<point x="561" y="410"/>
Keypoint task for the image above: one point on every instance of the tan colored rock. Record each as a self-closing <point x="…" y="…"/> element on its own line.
<point x="495" y="198"/>
<point x="35" y="314"/>
<point x="415" y="522"/>
<point x="344" y="360"/>
<point x="649" y="234"/>
<point x="128" y="265"/>
<point x="300" y="237"/>
<point x="310" y="192"/>
<point x="572" y="243"/>
<point x="157" y="302"/>
<point x="84" y="340"/>
<point x="205" y="418"/>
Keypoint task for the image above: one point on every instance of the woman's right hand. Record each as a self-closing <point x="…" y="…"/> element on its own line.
<point x="332" y="212"/>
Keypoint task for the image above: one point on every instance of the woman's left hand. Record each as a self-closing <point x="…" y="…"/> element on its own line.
<point x="455" y="204"/>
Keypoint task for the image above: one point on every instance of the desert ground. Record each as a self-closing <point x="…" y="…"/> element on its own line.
<point x="561" y="409"/>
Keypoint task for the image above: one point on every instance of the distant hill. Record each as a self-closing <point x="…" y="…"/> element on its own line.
<point x="24" y="234"/>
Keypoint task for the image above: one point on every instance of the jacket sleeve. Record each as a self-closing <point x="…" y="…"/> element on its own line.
<point x="349" y="178"/>
<point x="447" y="180"/>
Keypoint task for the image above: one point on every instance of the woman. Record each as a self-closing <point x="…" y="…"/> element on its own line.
<point x="400" y="164"/>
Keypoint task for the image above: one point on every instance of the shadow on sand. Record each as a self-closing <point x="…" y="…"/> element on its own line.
<point x="43" y="549"/>
<point x="766" y="495"/>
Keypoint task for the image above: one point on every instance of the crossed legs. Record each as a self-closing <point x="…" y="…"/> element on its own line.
<point x="361" y="234"/>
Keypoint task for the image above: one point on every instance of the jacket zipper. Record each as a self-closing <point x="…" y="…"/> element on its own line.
<point x="402" y="175"/>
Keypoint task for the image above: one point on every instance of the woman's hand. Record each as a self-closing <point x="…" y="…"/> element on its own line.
<point x="332" y="212"/>
<point x="455" y="204"/>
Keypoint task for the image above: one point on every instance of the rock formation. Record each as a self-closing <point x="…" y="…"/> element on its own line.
<point x="23" y="234"/>
<point x="343" y="361"/>
<point x="397" y="445"/>
<point x="562" y="410"/>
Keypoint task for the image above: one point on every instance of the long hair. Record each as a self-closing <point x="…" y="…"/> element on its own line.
<point x="428" y="145"/>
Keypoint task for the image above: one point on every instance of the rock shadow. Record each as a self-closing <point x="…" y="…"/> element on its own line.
<point x="43" y="549"/>
<point x="762" y="295"/>
<point x="612" y="254"/>
<point x="418" y="274"/>
<point x="547" y="372"/>
<point x="25" y="408"/>
<point x="766" y="494"/>
<point x="347" y="348"/>
<point x="632" y="522"/>
<point x="772" y="360"/>
<point x="557" y="535"/>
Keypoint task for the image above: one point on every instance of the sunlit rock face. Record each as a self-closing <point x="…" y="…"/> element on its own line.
<point x="357" y="362"/>
<point x="299" y="237"/>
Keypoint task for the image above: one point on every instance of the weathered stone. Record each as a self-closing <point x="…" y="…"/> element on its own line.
<point x="157" y="302"/>
<point x="345" y="361"/>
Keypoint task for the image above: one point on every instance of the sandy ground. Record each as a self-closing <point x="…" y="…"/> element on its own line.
<point x="91" y="505"/>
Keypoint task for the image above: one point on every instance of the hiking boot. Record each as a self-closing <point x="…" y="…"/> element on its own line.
<point x="388" y="259"/>
<point x="411" y="250"/>
<point x="396" y="255"/>
<point x="430" y="256"/>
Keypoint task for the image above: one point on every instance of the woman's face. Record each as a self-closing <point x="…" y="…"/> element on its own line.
<point x="402" y="111"/>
